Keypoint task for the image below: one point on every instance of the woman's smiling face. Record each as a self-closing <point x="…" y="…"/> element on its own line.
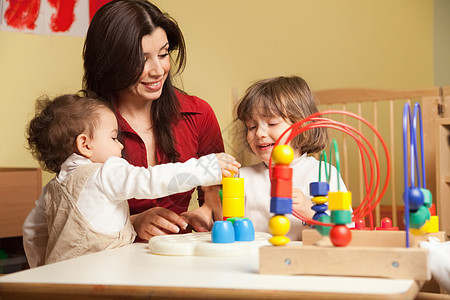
<point x="156" y="69"/>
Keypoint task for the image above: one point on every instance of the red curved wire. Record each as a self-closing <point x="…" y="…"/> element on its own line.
<point x="345" y="128"/>
<point x="367" y="205"/>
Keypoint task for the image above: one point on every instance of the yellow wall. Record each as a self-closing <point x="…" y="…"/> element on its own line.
<point x="441" y="42"/>
<point x="345" y="43"/>
<point x="30" y="66"/>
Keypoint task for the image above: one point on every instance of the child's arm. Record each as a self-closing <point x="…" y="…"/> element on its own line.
<point x="35" y="233"/>
<point x="120" y="181"/>
<point x="201" y="219"/>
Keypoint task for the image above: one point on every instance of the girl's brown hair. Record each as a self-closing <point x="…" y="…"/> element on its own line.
<point x="53" y="131"/>
<point x="286" y="97"/>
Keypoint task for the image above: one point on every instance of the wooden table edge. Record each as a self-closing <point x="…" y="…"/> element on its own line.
<point x="17" y="290"/>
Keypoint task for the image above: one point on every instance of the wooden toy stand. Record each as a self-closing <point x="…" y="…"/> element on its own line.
<point x="389" y="259"/>
<point x="375" y="238"/>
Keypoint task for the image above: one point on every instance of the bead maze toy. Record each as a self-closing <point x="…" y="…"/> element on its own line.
<point x="281" y="194"/>
<point x="384" y="252"/>
<point x="417" y="198"/>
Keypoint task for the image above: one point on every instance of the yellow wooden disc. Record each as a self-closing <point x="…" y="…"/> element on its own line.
<point x="279" y="240"/>
<point x="320" y="200"/>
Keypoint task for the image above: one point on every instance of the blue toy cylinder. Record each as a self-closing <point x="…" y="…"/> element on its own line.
<point x="222" y="232"/>
<point x="244" y="230"/>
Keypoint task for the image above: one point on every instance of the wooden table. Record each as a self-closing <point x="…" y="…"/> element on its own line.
<point x="133" y="272"/>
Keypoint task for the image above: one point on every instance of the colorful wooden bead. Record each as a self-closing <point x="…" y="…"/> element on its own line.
<point x="319" y="200"/>
<point x="324" y="230"/>
<point x="281" y="188"/>
<point x="319" y="188"/>
<point x="415" y="197"/>
<point x="279" y="240"/>
<point x="279" y="225"/>
<point x="282" y="154"/>
<point x="280" y="206"/>
<point x="341" y="216"/>
<point x="339" y="200"/>
<point x="282" y="172"/>
<point x="427" y="197"/>
<point x="340" y="235"/>
<point x="418" y="218"/>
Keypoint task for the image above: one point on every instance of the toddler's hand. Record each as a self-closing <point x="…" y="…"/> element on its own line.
<point x="227" y="164"/>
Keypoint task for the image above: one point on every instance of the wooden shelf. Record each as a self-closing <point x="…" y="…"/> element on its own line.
<point x="19" y="189"/>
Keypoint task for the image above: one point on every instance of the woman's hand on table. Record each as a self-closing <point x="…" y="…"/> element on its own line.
<point x="199" y="219"/>
<point x="157" y="221"/>
<point x="202" y="219"/>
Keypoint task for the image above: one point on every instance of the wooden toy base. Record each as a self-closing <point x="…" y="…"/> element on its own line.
<point x="400" y="263"/>
<point x="370" y="254"/>
<point x="375" y="238"/>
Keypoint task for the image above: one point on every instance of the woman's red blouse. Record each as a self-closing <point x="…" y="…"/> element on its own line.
<point x="196" y="134"/>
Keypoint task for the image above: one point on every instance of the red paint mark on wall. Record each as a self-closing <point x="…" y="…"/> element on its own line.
<point x="94" y="5"/>
<point x="22" y="14"/>
<point x="64" y="16"/>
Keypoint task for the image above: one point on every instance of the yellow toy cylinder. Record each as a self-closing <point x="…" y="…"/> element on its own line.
<point x="233" y="207"/>
<point x="233" y="187"/>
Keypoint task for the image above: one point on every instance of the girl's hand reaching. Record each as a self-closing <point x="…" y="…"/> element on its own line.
<point x="301" y="203"/>
<point x="228" y="164"/>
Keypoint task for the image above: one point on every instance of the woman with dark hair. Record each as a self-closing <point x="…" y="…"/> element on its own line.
<point x="128" y="55"/>
<point x="127" y="62"/>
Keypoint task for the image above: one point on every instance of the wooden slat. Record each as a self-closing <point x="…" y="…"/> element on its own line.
<point x="392" y="150"/>
<point x="429" y="109"/>
<point x="349" y="95"/>
<point x="362" y="190"/>
<point x="443" y="173"/>
<point x="345" y="147"/>
<point x="375" y="146"/>
<point x="443" y="159"/>
<point x="446" y="91"/>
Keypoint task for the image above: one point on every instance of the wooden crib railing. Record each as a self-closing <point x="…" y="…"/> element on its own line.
<point x="384" y="110"/>
<point x="443" y="163"/>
